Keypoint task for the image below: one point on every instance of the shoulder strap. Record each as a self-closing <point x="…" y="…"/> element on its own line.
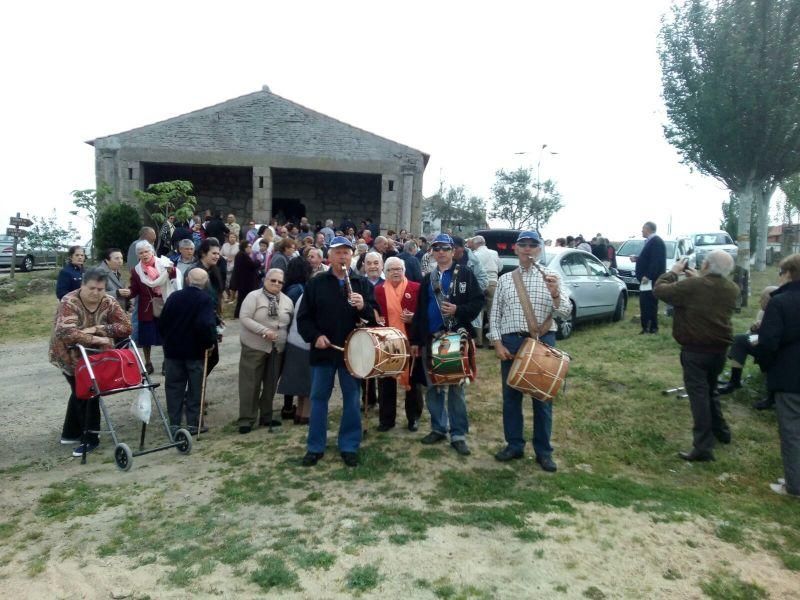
<point x="527" y="308"/>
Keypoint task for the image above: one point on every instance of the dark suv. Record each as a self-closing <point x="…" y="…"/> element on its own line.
<point x="502" y="240"/>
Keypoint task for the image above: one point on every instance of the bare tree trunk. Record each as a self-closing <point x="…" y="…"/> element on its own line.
<point x="762" y="195"/>
<point x="742" y="276"/>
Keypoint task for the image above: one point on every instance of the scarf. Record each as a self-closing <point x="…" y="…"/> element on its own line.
<point x="155" y="276"/>
<point x="394" y="306"/>
<point x="272" y="309"/>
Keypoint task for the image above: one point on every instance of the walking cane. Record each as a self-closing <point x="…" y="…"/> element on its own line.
<point x="202" y="394"/>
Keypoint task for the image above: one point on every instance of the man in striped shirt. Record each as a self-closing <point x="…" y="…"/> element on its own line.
<point x="508" y="330"/>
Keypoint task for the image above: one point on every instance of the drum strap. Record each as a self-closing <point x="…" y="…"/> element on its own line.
<point x="527" y="308"/>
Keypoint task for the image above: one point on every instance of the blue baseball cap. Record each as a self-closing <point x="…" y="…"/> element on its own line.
<point x="442" y="239"/>
<point x="340" y="241"/>
<point x="529" y="235"/>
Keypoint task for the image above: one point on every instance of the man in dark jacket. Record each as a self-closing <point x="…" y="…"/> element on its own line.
<point x="650" y="265"/>
<point x="702" y="325"/>
<point x="216" y="227"/>
<point x="450" y="299"/>
<point x="778" y="353"/>
<point x="188" y="327"/>
<point x="334" y="303"/>
<point x="408" y="255"/>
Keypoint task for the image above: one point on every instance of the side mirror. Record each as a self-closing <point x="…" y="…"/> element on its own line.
<point x="613" y="271"/>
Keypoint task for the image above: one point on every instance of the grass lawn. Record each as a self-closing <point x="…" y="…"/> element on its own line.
<point x="258" y="522"/>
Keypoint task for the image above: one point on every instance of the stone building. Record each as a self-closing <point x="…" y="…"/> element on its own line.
<point x="261" y="155"/>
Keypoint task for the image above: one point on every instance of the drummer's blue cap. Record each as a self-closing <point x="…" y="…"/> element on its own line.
<point x="442" y="239"/>
<point x="529" y="235"/>
<point x="340" y="241"/>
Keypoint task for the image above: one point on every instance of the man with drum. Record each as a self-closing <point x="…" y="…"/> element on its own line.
<point x="508" y="329"/>
<point x="334" y="303"/>
<point x="450" y="298"/>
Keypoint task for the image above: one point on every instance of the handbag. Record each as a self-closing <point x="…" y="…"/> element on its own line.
<point x="113" y="370"/>
<point x="157" y="302"/>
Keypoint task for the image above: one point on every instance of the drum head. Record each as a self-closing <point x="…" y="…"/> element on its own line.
<point x="360" y="353"/>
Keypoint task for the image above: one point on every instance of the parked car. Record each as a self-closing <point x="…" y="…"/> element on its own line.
<point x="502" y="240"/>
<point x="26" y="259"/>
<point x="677" y="249"/>
<point x="715" y="240"/>
<point x="595" y="290"/>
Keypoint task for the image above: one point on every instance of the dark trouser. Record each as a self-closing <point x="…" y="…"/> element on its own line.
<point x="77" y="416"/>
<point x="700" y="374"/>
<point x="513" y="420"/>
<point x="388" y="402"/>
<point x="369" y="391"/>
<point x="741" y="348"/>
<point x="648" y="307"/>
<point x="258" y="379"/>
<point x="182" y="385"/>
<point x="787" y="406"/>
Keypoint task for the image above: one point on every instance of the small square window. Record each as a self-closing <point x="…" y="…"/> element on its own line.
<point x="261" y="182"/>
<point x="391" y="185"/>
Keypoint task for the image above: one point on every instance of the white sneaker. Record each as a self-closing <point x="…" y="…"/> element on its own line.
<point x="778" y="488"/>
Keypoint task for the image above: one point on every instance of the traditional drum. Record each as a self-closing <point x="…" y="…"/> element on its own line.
<point x="452" y="359"/>
<point x="538" y="370"/>
<point x="376" y="352"/>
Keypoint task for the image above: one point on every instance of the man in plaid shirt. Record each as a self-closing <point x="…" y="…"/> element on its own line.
<point x="508" y="330"/>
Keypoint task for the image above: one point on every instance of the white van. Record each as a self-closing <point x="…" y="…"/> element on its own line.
<point x="678" y="248"/>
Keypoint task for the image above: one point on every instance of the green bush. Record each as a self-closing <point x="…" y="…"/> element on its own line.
<point x="117" y="226"/>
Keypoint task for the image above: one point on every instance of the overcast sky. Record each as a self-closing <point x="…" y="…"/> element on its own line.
<point x="469" y="83"/>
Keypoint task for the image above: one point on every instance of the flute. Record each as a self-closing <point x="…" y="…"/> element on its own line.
<point x="347" y="285"/>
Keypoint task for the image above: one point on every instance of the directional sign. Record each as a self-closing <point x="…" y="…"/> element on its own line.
<point x="18" y="222"/>
<point x="13" y="232"/>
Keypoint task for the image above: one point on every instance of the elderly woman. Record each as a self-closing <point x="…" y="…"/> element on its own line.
<point x="398" y="299"/>
<point x="111" y="265"/>
<point x="69" y="278"/>
<point x="90" y="317"/>
<point x="265" y="317"/>
<point x="284" y="249"/>
<point x="296" y="375"/>
<point x="246" y="268"/>
<point x="150" y="282"/>
<point x="778" y="353"/>
<point x="229" y="251"/>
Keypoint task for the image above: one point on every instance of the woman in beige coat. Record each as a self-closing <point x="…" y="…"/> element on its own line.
<point x="265" y="316"/>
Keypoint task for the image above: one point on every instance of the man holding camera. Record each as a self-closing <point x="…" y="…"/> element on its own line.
<point x="704" y="303"/>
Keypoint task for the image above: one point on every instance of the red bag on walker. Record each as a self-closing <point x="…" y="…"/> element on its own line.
<point x="113" y="369"/>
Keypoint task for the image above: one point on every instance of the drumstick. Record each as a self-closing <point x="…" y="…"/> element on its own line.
<point x="339" y="348"/>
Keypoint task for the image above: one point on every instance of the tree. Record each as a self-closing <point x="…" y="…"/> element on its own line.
<point x="732" y="92"/>
<point x="167" y="198"/>
<point x="791" y="190"/>
<point x="89" y="200"/>
<point x="522" y="202"/>
<point x="454" y="209"/>
<point x="47" y="234"/>
<point x="117" y="226"/>
<point x="730" y="218"/>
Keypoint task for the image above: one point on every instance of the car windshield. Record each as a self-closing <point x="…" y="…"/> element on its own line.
<point x="712" y="239"/>
<point x="634" y="248"/>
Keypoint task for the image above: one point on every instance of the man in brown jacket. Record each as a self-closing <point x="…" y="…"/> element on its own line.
<point x="704" y="303"/>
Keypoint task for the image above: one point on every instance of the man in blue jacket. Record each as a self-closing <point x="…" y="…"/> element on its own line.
<point x="650" y="265"/>
<point x="188" y="327"/>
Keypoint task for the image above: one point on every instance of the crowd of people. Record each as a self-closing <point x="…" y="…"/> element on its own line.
<point x="299" y="290"/>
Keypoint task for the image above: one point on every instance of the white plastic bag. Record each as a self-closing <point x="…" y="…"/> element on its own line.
<point x="142" y="406"/>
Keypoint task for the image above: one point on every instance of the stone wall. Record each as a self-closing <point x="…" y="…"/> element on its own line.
<point x="329" y="195"/>
<point x="229" y="189"/>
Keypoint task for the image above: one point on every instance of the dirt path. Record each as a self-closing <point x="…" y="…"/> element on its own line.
<point x="599" y="552"/>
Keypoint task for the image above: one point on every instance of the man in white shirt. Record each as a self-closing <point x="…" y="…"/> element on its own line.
<point x="490" y="261"/>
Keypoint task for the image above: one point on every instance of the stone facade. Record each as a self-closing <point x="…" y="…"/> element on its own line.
<point x="286" y="151"/>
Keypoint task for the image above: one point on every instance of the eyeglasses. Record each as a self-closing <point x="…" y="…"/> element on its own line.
<point x="395" y="269"/>
<point x="276" y="281"/>
<point x="527" y="245"/>
<point x="442" y="248"/>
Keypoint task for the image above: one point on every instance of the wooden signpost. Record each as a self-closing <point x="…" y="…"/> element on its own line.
<point x="17" y="234"/>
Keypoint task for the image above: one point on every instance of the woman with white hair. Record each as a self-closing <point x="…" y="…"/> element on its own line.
<point x="265" y="317"/>
<point x="150" y="282"/>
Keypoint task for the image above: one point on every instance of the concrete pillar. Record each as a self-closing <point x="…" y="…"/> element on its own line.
<point x="262" y="194"/>
<point x="390" y="184"/>
<point x="405" y="205"/>
<point x="131" y="178"/>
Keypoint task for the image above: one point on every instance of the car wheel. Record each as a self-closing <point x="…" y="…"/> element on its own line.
<point x="27" y="264"/>
<point x="619" y="311"/>
<point x="565" y="326"/>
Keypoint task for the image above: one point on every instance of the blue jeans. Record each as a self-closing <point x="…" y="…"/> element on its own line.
<point x="456" y="410"/>
<point x="512" y="405"/>
<point x="322" y="377"/>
